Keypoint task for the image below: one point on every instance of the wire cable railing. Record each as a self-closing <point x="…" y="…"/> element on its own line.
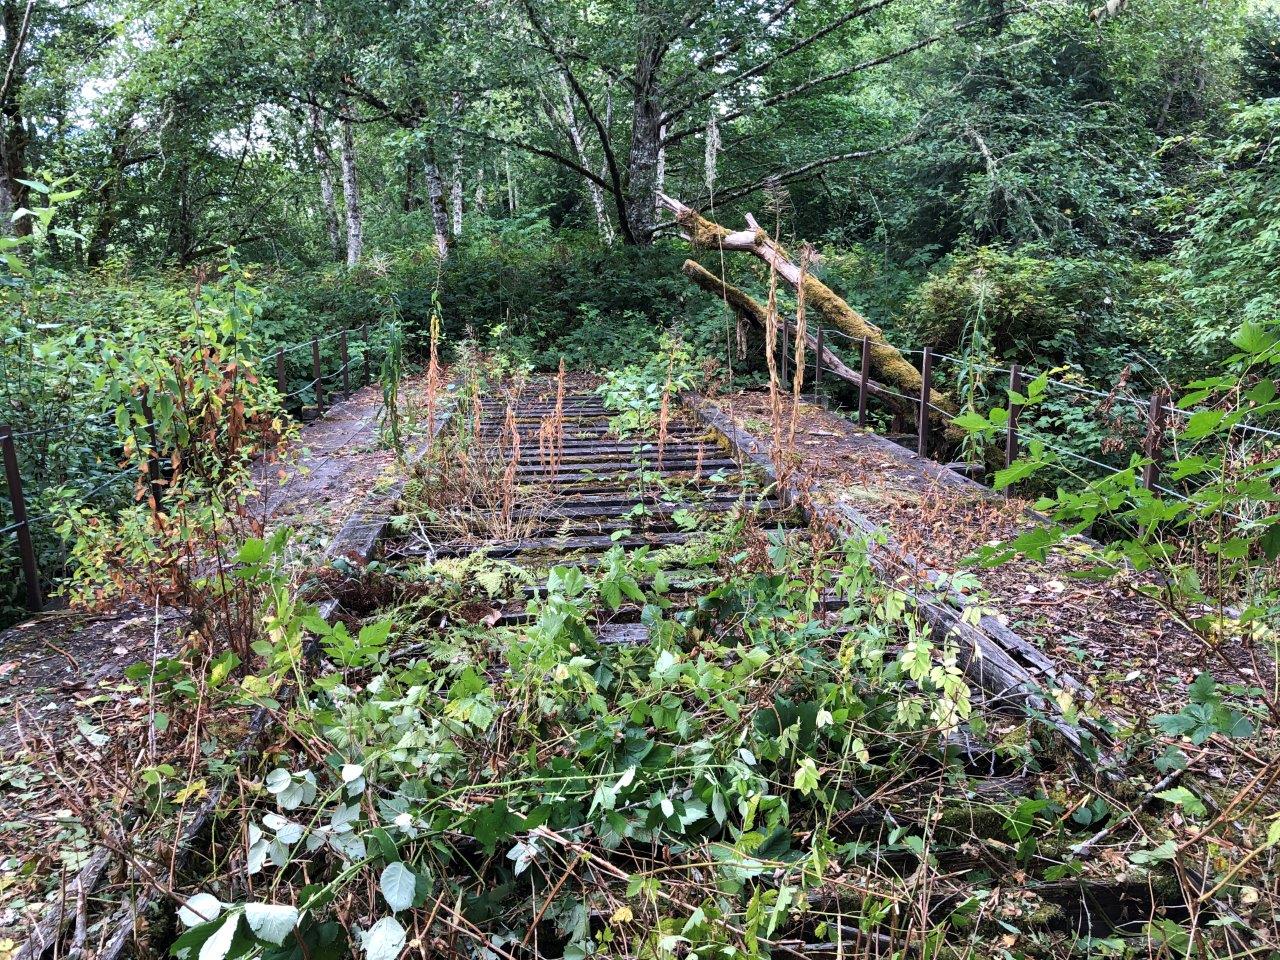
<point x="1082" y="390"/>
<point x="1153" y="413"/>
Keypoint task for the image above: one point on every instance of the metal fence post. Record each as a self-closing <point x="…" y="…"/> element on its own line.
<point x="281" y="382"/>
<point x="862" y="387"/>
<point x="315" y="375"/>
<point x="1011" y="421"/>
<point x="153" y="458"/>
<point x="817" y="362"/>
<point x="346" y="368"/>
<point x="1155" y="439"/>
<point x="26" y="547"/>
<point x="922" y="425"/>
<point x="368" y="357"/>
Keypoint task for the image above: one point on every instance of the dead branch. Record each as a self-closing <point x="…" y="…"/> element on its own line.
<point x="888" y="362"/>
<point x="748" y="308"/>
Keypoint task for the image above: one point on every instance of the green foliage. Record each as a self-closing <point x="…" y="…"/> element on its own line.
<point x="745" y="742"/>
<point x="1038" y="309"/>
<point x="1260" y="56"/>
<point x="1209" y="525"/>
<point x="1225" y="266"/>
<point x="637" y="392"/>
<point x="110" y="381"/>
<point x="539" y="295"/>
<point x="1205" y="715"/>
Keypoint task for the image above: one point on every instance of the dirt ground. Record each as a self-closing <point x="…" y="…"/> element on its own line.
<point x="1119" y="642"/>
<point x="65" y="703"/>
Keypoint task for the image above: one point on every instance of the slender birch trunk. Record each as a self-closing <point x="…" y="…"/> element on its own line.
<point x="661" y="175"/>
<point x="351" y="190"/>
<point x="511" y="185"/>
<point x="439" y="214"/>
<point x="594" y="192"/>
<point x="455" y="197"/>
<point x="328" y="207"/>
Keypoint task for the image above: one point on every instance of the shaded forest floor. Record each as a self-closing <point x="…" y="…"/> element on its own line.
<point x="78" y="737"/>
<point x="66" y="707"/>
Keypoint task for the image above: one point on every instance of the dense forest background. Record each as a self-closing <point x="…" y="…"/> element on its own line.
<point x="1053" y="181"/>
<point x="1083" y="188"/>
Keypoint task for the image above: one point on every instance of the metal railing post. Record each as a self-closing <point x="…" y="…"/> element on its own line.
<point x="1155" y="439"/>
<point x="862" y="387"/>
<point x="315" y="375"/>
<point x="26" y="547"/>
<point x="922" y="424"/>
<point x="346" y="368"/>
<point x="1011" y="421"/>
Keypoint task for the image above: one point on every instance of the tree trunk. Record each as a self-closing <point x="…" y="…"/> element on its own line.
<point x="892" y="366"/>
<point x="183" y="233"/>
<point x="662" y="166"/>
<point x="594" y="191"/>
<point x="351" y="190"/>
<point x="108" y="212"/>
<point x="15" y="138"/>
<point x="751" y="310"/>
<point x="646" y="136"/>
<point x="439" y="213"/>
<point x="409" y="203"/>
<point x="455" y="198"/>
<point x="511" y="185"/>
<point x="328" y="206"/>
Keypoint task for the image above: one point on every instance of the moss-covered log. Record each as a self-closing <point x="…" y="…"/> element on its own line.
<point x="751" y="310"/>
<point x="891" y="367"/>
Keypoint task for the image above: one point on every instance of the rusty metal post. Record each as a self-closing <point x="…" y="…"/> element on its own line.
<point x="817" y="362"/>
<point x="1011" y="421"/>
<point x="862" y="387"/>
<point x="154" y="474"/>
<point x="315" y="375"/>
<point x="368" y="357"/>
<point x="281" y="383"/>
<point x="346" y="368"/>
<point x="26" y="547"/>
<point x="922" y="424"/>
<point x="1155" y="439"/>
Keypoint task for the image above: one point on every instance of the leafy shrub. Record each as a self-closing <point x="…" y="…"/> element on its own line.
<point x="1225" y="266"/>
<point x="107" y="381"/>
<point x="1094" y="312"/>
<point x="545" y="295"/>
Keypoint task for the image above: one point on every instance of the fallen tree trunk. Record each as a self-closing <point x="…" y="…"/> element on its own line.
<point x="893" y="368"/>
<point x="747" y="307"/>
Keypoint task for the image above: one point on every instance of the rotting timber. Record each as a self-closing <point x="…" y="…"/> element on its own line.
<point x="588" y="489"/>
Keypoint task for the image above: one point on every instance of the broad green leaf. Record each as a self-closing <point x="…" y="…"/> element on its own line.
<point x="1202" y="423"/>
<point x="198" y="909"/>
<point x="218" y="945"/>
<point x="271" y="922"/>
<point x="398" y="883"/>
<point x="383" y="941"/>
<point x="1182" y="797"/>
<point x="1253" y="337"/>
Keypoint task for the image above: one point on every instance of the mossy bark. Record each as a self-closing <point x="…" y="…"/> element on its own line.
<point x="750" y="309"/>
<point x="889" y="364"/>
